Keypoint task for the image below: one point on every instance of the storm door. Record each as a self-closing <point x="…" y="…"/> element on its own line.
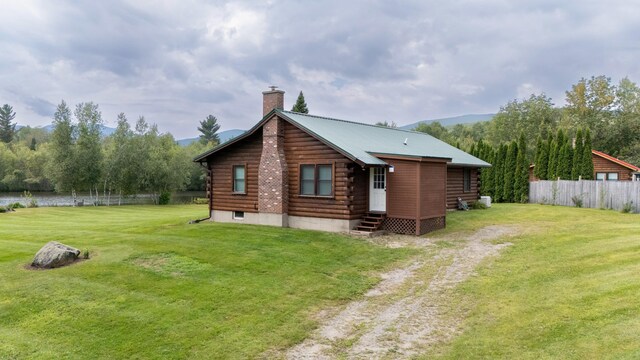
<point x="378" y="189"/>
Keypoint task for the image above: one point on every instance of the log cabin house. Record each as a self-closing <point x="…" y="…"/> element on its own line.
<point x="305" y="171"/>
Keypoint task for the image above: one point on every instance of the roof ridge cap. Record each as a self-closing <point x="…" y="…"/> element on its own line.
<point x="357" y="123"/>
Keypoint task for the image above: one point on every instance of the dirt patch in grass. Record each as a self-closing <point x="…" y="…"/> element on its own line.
<point x="169" y="264"/>
<point x="410" y="309"/>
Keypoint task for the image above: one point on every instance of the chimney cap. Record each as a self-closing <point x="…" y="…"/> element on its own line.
<point x="273" y="89"/>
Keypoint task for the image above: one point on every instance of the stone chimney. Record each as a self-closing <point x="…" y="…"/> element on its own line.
<point x="272" y="99"/>
<point x="273" y="180"/>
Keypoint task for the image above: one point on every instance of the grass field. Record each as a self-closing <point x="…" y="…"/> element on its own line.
<point x="568" y="287"/>
<point x="157" y="287"/>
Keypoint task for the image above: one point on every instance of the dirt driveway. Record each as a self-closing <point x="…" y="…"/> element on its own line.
<point x="410" y="309"/>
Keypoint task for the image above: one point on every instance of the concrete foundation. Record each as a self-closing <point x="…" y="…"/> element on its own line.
<point x="283" y="220"/>
<point x="322" y="224"/>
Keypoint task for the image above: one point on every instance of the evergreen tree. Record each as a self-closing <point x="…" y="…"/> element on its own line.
<point x="538" y="158"/>
<point x="498" y="174"/>
<point x="565" y="161"/>
<point x="543" y="172"/>
<point x="521" y="183"/>
<point x="552" y="164"/>
<point x="486" y="174"/>
<point x="587" y="161"/>
<point x="576" y="166"/>
<point x="33" y="145"/>
<point x="209" y="128"/>
<point x="300" y="105"/>
<point x="555" y="156"/>
<point x="509" y="171"/>
<point x="7" y="129"/>
<point x="560" y="138"/>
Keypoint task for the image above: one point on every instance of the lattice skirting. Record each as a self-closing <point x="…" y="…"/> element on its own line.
<point x="400" y="226"/>
<point x="428" y="225"/>
<point x="408" y="226"/>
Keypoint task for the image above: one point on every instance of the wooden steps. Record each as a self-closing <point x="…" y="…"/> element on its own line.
<point x="371" y="222"/>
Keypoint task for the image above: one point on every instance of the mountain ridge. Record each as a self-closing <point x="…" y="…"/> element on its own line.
<point x="106" y="131"/>
<point x="454" y="120"/>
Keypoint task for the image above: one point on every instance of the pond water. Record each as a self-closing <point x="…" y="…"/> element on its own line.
<point x="55" y="199"/>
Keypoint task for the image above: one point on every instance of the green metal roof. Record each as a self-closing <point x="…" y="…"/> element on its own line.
<point x="359" y="141"/>
<point x="362" y="140"/>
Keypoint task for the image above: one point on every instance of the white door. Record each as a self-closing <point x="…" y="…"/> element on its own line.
<point x="378" y="189"/>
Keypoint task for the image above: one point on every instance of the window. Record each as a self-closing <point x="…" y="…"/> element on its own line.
<point x="378" y="178"/>
<point x="466" y="180"/>
<point x="316" y="180"/>
<point x="238" y="215"/>
<point x="325" y="180"/>
<point x="307" y="180"/>
<point x="239" y="185"/>
<point x="612" y="176"/>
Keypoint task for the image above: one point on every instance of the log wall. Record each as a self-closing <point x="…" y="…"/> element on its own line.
<point x="246" y="152"/>
<point x="603" y="165"/>
<point x="455" y="187"/>
<point x="349" y="196"/>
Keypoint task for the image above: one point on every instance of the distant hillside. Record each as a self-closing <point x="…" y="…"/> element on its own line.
<point x="104" y="130"/>
<point x="450" y="121"/>
<point x="224" y="137"/>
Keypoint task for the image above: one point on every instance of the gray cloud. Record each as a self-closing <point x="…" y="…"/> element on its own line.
<point x="176" y="62"/>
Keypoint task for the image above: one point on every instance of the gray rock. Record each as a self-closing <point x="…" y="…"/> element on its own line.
<point x="55" y="254"/>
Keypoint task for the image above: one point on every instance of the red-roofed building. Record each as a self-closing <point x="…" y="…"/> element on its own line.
<point x="607" y="167"/>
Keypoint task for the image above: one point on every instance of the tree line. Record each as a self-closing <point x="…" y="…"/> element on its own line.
<point x="610" y="111"/>
<point x="556" y="158"/>
<point x="75" y="157"/>
<point x="558" y="141"/>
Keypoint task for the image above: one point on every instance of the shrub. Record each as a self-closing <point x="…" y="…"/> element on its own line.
<point x="3" y="209"/>
<point x="164" y="198"/>
<point x="627" y="207"/>
<point x="16" y="205"/>
<point x="85" y="254"/>
<point x="477" y="205"/>
<point x="577" y="200"/>
<point x="31" y="202"/>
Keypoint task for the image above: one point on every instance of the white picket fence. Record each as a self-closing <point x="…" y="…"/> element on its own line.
<point x="594" y="194"/>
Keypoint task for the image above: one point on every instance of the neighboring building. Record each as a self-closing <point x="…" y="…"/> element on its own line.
<point x="313" y="172"/>
<point x="607" y="168"/>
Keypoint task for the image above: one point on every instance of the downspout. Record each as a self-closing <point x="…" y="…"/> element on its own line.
<point x="210" y="196"/>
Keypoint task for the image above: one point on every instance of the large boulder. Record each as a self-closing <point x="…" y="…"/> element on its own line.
<point x="55" y="254"/>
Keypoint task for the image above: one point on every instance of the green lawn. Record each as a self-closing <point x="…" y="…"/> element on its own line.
<point x="569" y="287"/>
<point x="157" y="287"/>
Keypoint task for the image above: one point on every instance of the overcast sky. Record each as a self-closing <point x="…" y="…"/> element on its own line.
<point x="175" y="62"/>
